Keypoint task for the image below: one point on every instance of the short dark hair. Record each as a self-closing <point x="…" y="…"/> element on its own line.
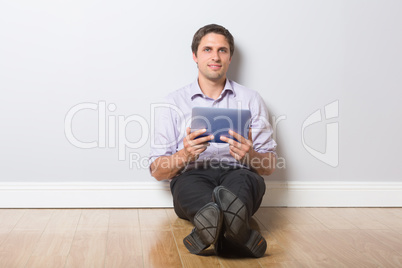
<point x="212" y="28"/>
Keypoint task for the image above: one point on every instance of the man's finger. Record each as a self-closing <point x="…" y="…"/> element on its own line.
<point x="202" y="140"/>
<point x="234" y="149"/>
<point x="238" y="137"/>
<point x="199" y="151"/>
<point x="235" y="156"/>
<point x="196" y="133"/>
<point x="231" y="141"/>
<point x="199" y="146"/>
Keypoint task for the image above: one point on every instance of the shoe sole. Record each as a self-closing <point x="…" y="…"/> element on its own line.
<point x="237" y="229"/>
<point x="256" y="245"/>
<point x="208" y="223"/>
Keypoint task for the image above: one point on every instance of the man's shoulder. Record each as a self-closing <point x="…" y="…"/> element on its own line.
<point x="243" y="90"/>
<point x="183" y="92"/>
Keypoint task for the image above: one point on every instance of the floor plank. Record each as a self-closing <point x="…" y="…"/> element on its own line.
<point x="124" y="247"/>
<point x="154" y="219"/>
<point x="272" y="220"/>
<point x="239" y="262"/>
<point x="276" y="255"/>
<point x="287" y="264"/>
<point x="332" y="243"/>
<point x="385" y="216"/>
<point x="330" y="219"/>
<point x="89" y="244"/>
<point x="158" y="242"/>
<point x="22" y="240"/>
<point x="160" y="249"/>
<point x="388" y="237"/>
<point x="8" y="220"/>
<point x="54" y="245"/>
<point x="373" y="249"/>
<point x="176" y="222"/>
<point x="301" y="219"/>
<point x="358" y="218"/>
<point x="304" y="249"/>
<point x="286" y="244"/>
<point x="395" y="211"/>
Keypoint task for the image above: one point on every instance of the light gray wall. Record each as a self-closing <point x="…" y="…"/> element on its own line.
<point x="56" y="56"/>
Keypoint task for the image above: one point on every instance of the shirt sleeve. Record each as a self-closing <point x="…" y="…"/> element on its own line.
<point x="164" y="137"/>
<point x="261" y="129"/>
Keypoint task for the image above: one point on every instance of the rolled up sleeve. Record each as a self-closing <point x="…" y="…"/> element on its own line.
<point x="262" y="131"/>
<point x="164" y="135"/>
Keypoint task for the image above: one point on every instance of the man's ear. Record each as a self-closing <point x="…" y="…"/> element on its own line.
<point x="195" y="58"/>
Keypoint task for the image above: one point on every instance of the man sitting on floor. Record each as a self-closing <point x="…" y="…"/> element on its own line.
<point x="216" y="187"/>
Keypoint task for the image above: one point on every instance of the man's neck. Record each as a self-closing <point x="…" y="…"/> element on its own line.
<point x="211" y="88"/>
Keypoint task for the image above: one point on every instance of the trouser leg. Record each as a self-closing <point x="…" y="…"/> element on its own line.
<point x="192" y="190"/>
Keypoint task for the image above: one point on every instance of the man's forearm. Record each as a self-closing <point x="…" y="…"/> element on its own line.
<point x="262" y="163"/>
<point x="166" y="167"/>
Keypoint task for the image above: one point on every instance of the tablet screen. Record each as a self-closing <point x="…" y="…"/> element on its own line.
<point x="218" y="122"/>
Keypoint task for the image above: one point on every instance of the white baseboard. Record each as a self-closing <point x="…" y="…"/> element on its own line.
<point x="333" y="194"/>
<point x="157" y="194"/>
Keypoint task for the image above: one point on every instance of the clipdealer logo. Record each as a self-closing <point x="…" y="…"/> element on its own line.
<point x="331" y="154"/>
<point x="112" y="131"/>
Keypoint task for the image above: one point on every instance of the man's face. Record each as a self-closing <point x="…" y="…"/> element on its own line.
<point x="213" y="57"/>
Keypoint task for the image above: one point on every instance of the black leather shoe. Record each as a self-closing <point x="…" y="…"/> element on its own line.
<point x="236" y="225"/>
<point x="227" y="249"/>
<point x="208" y="223"/>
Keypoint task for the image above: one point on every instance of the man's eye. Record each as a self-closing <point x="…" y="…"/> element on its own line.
<point x="223" y="50"/>
<point x="207" y="49"/>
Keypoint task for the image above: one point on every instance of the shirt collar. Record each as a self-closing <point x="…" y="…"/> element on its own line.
<point x="195" y="89"/>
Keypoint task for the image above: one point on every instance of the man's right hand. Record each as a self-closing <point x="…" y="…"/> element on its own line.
<point x="166" y="167"/>
<point x="194" y="147"/>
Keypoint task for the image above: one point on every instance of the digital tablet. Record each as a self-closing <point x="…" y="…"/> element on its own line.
<point x="218" y="122"/>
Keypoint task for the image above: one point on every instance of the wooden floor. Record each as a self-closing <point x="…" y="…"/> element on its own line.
<point x="297" y="237"/>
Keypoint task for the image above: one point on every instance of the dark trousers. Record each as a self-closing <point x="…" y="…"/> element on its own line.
<point x="193" y="189"/>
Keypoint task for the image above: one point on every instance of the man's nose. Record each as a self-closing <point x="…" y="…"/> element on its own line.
<point x="215" y="55"/>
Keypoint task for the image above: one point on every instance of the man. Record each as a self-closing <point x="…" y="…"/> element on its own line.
<point x="218" y="187"/>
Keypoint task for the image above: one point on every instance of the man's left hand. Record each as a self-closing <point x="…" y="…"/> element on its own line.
<point x="240" y="149"/>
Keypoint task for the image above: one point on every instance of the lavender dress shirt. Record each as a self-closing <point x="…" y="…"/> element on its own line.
<point x="174" y="115"/>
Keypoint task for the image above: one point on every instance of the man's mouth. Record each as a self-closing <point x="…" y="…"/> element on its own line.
<point x="215" y="66"/>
